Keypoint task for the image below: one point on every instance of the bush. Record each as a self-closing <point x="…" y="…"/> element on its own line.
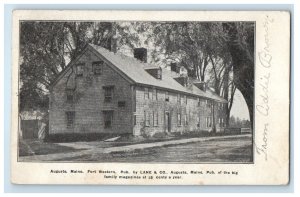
<point x="232" y="131"/>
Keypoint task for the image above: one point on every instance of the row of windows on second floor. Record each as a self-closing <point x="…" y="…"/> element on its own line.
<point x="108" y="95"/>
<point x="181" y="99"/>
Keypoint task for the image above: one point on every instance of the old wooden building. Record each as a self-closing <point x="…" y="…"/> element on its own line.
<point x="105" y="92"/>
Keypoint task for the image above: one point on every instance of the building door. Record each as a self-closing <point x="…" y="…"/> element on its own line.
<point x="167" y="122"/>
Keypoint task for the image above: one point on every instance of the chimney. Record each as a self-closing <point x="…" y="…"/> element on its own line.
<point x="140" y="54"/>
<point x="174" y="67"/>
<point x="112" y="40"/>
<point x="201" y="85"/>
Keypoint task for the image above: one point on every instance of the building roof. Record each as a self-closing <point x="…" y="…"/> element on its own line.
<point x="135" y="70"/>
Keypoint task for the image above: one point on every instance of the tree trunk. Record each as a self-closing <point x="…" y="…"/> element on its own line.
<point x="226" y="92"/>
<point x="232" y="92"/>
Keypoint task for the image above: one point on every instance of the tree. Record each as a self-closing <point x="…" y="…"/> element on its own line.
<point x="240" y="43"/>
<point x="42" y="58"/>
<point x="232" y="121"/>
<point x="186" y="43"/>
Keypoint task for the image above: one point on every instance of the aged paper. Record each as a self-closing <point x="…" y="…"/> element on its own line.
<point x="150" y="97"/>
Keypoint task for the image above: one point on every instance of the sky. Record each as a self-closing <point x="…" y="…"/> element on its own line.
<point x="239" y="106"/>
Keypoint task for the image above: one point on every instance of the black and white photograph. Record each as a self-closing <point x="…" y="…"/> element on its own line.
<point x="136" y="91"/>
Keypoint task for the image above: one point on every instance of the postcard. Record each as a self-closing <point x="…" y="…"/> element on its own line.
<point x="150" y="97"/>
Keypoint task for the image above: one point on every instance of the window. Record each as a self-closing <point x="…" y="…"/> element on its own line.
<point x="167" y="96"/>
<point x="154" y="95"/>
<point x="199" y="102"/>
<point x="155" y="118"/>
<point x="147" y="118"/>
<point x="186" y="120"/>
<point x="108" y="93"/>
<point x="223" y="122"/>
<point x="134" y="119"/>
<point x="121" y="104"/>
<point x="208" y="122"/>
<point x="70" y="116"/>
<point x="150" y="94"/>
<point x="220" y="122"/>
<point x="178" y="119"/>
<point x="79" y="70"/>
<point x="182" y="99"/>
<point x="70" y="95"/>
<point x="185" y="99"/>
<point x="97" y="67"/>
<point x="198" y="121"/>
<point x="108" y="119"/>
<point x="178" y="99"/>
<point x="208" y="103"/>
<point x="146" y="93"/>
